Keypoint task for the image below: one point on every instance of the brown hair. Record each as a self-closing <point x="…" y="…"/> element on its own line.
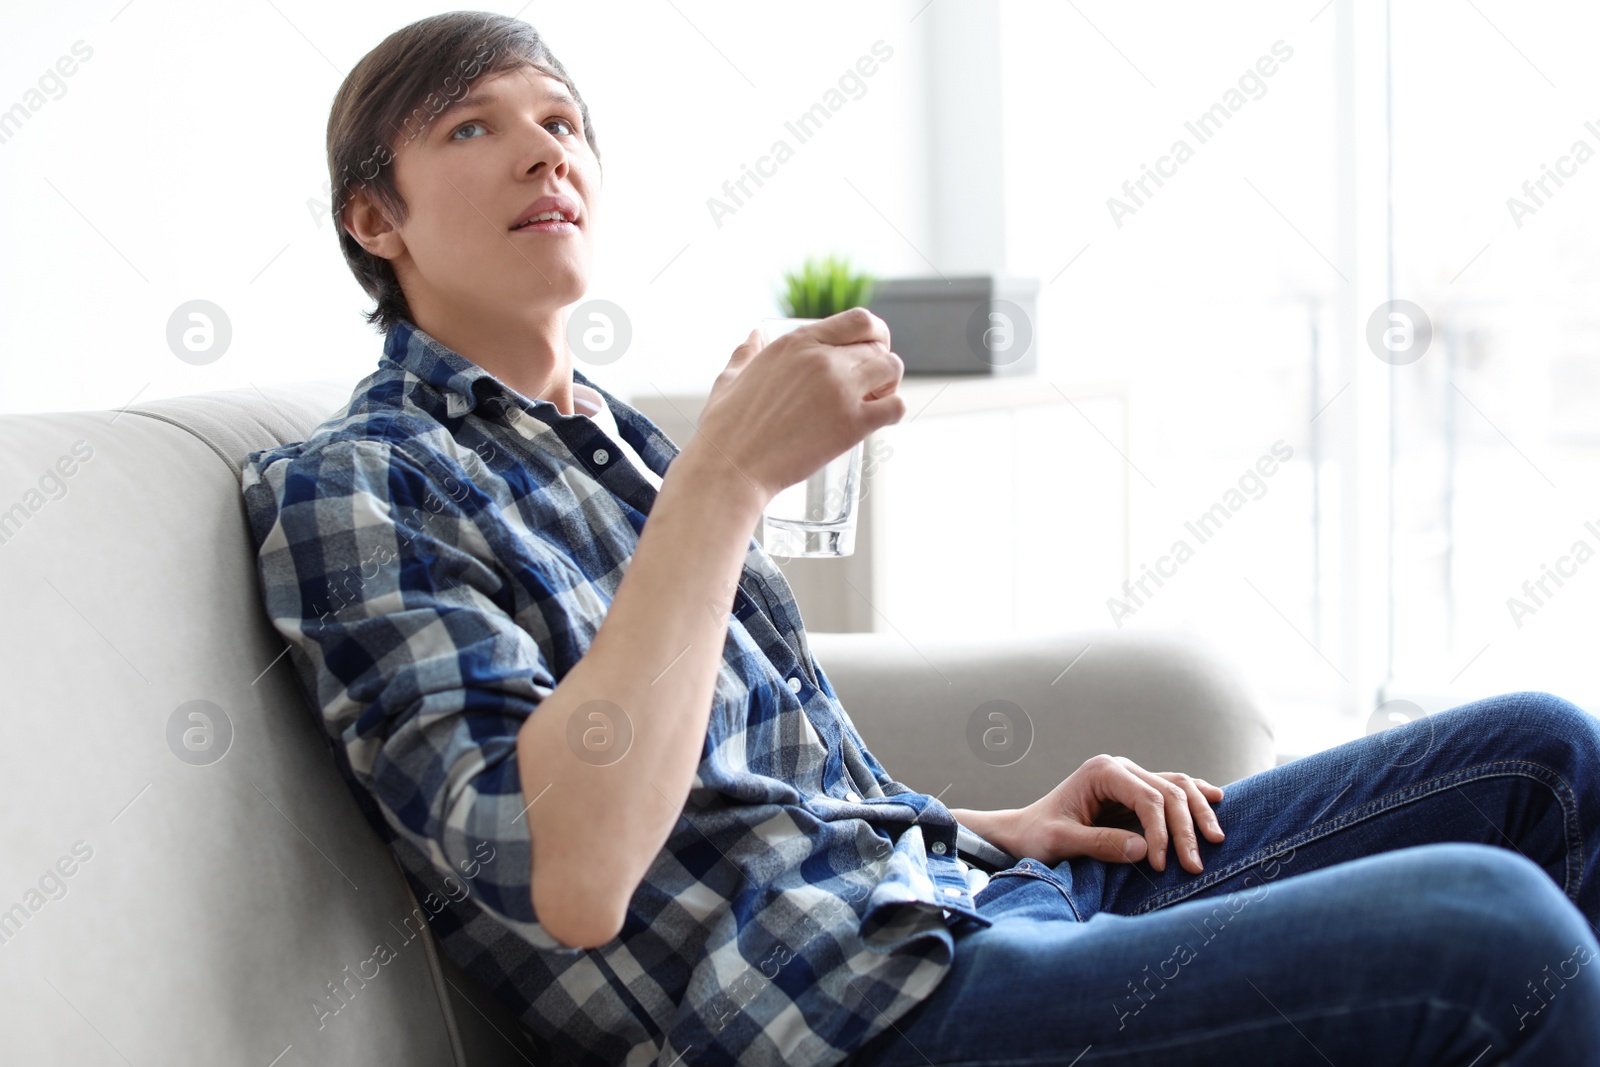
<point x="389" y="99"/>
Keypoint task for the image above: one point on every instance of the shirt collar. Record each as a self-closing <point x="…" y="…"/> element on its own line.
<point x="463" y="383"/>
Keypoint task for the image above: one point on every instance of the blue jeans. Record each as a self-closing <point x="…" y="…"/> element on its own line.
<point x="1425" y="895"/>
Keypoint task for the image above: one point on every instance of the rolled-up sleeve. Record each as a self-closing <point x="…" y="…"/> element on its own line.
<point x="400" y="622"/>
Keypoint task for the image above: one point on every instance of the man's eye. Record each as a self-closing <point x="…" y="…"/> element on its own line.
<point x="558" y="127"/>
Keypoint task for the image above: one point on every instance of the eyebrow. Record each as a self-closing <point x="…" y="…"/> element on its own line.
<point x="486" y="98"/>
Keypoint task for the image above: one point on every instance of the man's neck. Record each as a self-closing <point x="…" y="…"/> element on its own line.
<point x="529" y="356"/>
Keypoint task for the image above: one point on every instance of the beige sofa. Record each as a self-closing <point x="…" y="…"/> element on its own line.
<point x="159" y="904"/>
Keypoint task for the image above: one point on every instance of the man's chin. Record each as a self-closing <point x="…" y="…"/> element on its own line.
<point x="555" y="284"/>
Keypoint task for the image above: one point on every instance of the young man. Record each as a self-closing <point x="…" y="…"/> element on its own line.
<point x="601" y="743"/>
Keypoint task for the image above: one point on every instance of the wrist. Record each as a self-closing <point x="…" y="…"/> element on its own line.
<point x="716" y="474"/>
<point x="997" y="826"/>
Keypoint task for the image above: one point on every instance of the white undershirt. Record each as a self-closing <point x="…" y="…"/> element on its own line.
<point x="587" y="401"/>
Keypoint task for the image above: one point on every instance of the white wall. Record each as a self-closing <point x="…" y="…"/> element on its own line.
<point x="180" y="159"/>
<point x="1202" y="299"/>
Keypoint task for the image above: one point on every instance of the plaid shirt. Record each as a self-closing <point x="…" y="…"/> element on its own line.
<point x="438" y="555"/>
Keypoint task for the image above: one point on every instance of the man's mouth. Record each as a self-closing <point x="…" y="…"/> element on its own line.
<point x="548" y="214"/>
<point x="543" y="220"/>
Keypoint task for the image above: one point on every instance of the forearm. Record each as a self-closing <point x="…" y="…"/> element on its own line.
<point x="598" y="826"/>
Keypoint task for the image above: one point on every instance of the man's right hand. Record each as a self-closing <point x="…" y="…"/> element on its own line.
<point x="777" y="414"/>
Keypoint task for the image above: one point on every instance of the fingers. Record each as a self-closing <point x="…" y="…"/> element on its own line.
<point x="1072" y="837"/>
<point x="1199" y="803"/>
<point x="848" y="327"/>
<point x="1195" y="806"/>
<point x="1168" y="805"/>
<point x="863" y="338"/>
<point x="1145" y="800"/>
<point x="749" y="348"/>
<point x="877" y="371"/>
<point x="885" y="412"/>
<point x="1115" y="846"/>
<point x="1186" y="812"/>
<point x="1180" y="825"/>
<point x="1209" y="794"/>
<point x="866" y="353"/>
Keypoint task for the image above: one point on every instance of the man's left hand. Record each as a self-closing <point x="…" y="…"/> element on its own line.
<point x="1169" y="806"/>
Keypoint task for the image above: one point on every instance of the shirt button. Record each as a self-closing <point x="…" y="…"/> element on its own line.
<point x="794" y="685"/>
<point x="937" y="848"/>
<point x="951" y="891"/>
<point x="601" y="455"/>
<point x="851" y="797"/>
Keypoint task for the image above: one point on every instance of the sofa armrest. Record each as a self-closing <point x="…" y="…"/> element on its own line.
<point x="1162" y="698"/>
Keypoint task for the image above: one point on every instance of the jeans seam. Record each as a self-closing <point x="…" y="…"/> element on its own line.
<point x="1020" y="871"/>
<point x="1416" y="791"/>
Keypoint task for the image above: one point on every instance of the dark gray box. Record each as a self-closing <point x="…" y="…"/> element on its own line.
<point x="973" y="325"/>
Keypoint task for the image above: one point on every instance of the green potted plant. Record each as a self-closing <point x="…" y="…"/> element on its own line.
<point x="968" y="325"/>
<point x="824" y="286"/>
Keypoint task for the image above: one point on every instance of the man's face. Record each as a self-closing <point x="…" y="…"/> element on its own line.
<point x="513" y="146"/>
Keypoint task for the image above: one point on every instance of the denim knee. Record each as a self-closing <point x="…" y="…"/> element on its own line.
<point x="1562" y="714"/>
<point x="1507" y="906"/>
<point x="1535" y="725"/>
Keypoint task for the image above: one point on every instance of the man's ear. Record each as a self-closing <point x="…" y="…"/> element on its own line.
<point x="365" y="220"/>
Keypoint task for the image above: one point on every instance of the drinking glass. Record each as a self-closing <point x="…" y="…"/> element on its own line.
<point x="816" y="517"/>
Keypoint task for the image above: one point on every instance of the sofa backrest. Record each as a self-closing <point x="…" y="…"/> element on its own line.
<point x="184" y="876"/>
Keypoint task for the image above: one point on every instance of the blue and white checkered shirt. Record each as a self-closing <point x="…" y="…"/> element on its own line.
<point x="438" y="555"/>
